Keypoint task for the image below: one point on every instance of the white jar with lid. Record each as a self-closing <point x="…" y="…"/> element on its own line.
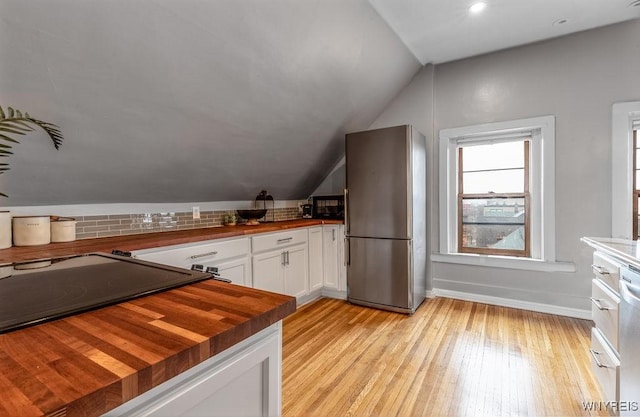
<point x="5" y="229"/>
<point x="31" y="230"/>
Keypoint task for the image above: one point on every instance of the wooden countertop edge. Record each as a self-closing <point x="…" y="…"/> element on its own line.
<point x="113" y="395"/>
<point x="150" y="240"/>
<point x="122" y="389"/>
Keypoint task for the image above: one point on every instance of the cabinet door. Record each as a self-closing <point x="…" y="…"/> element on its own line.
<point x="296" y="271"/>
<point x="268" y="270"/>
<point x="237" y="270"/>
<point x="342" y="262"/>
<point x="316" y="270"/>
<point x="330" y="256"/>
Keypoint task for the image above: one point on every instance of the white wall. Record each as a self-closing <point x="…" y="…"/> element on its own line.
<point x="576" y="78"/>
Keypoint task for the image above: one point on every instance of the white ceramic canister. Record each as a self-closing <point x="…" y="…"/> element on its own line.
<point x="63" y="229"/>
<point x="31" y="230"/>
<point x="5" y="229"/>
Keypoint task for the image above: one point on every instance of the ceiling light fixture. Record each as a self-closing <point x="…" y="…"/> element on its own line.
<point x="477" y="7"/>
<point x="560" y="22"/>
<point x="635" y="3"/>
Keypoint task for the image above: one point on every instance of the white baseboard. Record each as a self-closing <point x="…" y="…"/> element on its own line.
<point x="507" y="302"/>
<point x="340" y="295"/>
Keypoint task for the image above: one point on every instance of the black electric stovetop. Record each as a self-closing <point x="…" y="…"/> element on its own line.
<point x="43" y="290"/>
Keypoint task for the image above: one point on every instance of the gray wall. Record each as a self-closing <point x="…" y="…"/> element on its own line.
<point x="189" y="101"/>
<point x="575" y="78"/>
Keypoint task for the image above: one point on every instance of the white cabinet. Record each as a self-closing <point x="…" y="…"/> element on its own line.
<point x="330" y="250"/>
<point x="316" y="259"/>
<point x="244" y="380"/>
<point x="281" y="262"/>
<point x="232" y="257"/>
<point x="605" y="300"/>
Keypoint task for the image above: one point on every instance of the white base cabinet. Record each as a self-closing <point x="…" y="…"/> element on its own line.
<point x="232" y="257"/>
<point x="304" y="263"/>
<point x="316" y="260"/>
<point x="281" y="262"/>
<point x="244" y="380"/>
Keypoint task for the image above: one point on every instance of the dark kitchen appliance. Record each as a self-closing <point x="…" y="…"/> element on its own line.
<point x="307" y="211"/>
<point x="629" y="340"/>
<point x="386" y="222"/>
<point x="328" y="207"/>
<point x="43" y="290"/>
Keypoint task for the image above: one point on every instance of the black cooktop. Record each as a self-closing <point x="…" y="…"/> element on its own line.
<point x="43" y="290"/>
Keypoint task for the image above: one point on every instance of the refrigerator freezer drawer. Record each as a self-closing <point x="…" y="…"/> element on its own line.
<point x="379" y="273"/>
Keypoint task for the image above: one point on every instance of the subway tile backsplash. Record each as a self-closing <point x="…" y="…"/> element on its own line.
<point x="89" y="227"/>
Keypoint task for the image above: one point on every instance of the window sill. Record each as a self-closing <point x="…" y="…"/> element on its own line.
<point x="508" y="262"/>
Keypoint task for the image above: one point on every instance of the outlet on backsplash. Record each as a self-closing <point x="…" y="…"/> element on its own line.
<point x="196" y="213"/>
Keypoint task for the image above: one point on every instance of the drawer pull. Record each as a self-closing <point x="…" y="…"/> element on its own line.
<point x="202" y="255"/>
<point x="599" y="270"/>
<point x="598" y="304"/>
<point x="285" y="240"/>
<point x="594" y="355"/>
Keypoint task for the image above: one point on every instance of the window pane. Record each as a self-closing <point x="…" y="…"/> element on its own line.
<point x="493" y="156"/>
<point x="507" y="181"/>
<point x="493" y="223"/>
<point x="493" y="237"/>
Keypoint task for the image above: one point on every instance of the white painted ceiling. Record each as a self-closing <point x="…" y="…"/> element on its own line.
<point x="438" y="31"/>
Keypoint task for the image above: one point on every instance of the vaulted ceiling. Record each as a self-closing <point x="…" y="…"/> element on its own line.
<point x="190" y="100"/>
<point x="214" y="100"/>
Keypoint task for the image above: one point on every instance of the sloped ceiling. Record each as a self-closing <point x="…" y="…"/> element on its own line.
<point x="190" y="100"/>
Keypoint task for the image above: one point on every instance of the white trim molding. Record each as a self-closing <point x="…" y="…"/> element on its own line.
<point x="542" y="131"/>
<point x="622" y="117"/>
<point x="509" y="262"/>
<point x="508" y="302"/>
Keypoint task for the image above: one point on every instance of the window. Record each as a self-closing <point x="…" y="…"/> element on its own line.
<point x="625" y="120"/>
<point x="636" y="178"/>
<point x="493" y="197"/>
<point x="497" y="195"/>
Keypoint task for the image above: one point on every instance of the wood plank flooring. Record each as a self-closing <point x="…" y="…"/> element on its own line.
<point x="451" y="358"/>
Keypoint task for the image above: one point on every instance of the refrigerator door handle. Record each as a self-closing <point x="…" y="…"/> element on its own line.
<point x="347" y="252"/>
<point x="346" y="211"/>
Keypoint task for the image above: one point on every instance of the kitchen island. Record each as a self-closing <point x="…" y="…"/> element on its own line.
<point x="146" y="352"/>
<point x="90" y="363"/>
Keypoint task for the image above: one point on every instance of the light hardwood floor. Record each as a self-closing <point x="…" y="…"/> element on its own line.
<point x="451" y="358"/>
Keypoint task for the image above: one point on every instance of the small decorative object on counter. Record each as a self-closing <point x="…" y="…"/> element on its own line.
<point x="63" y="229"/>
<point x="230" y="219"/>
<point x="31" y="230"/>
<point x="5" y="229"/>
<point x="266" y="202"/>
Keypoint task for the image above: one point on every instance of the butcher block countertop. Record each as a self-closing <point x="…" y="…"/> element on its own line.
<point x="89" y="363"/>
<point x="148" y="240"/>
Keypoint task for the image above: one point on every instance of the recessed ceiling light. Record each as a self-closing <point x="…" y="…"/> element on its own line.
<point x="561" y="22"/>
<point x="477" y="7"/>
<point x="635" y="3"/>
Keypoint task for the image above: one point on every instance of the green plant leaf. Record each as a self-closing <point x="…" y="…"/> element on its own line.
<point x="18" y="123"/>
<point x="7" y="138"/>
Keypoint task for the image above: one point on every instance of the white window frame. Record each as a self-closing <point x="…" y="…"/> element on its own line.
<point x="542" y="189"/>
<point x="623" y="117"/>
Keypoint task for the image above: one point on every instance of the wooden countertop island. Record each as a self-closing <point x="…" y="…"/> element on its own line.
<point x="92" y="362"/>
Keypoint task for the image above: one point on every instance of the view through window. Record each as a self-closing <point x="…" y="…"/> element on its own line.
<point x="636" y="181"/>
<point x="493" y="197"/>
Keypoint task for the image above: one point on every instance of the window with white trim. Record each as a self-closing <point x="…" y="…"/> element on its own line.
<point x="635" y="127"/>
<point x="497" y="190"/>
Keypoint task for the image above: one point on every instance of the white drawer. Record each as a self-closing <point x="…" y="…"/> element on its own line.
<point x="605" y="366"/>
<point x="604" y="311"/>
<point x="184" y="256"/>
<point x="277" y="240"/>
<point x="607" y="269"/>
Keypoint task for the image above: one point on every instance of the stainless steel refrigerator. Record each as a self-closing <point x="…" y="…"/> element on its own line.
<point x="386" y="224"/>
